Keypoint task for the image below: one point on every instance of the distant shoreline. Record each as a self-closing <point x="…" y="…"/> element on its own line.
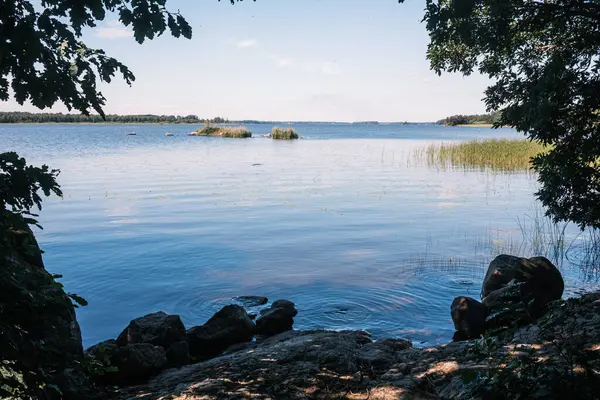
<point x="110" y="123"/>
<point x="475" y="125"/>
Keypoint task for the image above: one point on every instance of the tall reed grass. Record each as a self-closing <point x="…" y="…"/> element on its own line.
<point x="495" y="154"/>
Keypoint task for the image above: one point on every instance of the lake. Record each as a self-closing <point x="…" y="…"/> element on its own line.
<point x="348" y="223"/>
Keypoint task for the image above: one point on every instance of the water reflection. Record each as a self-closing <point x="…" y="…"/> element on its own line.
<point x="354" y="231"/>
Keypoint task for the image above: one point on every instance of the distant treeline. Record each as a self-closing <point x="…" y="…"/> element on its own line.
<point x="26" y="117"/>
<point x="470" y="119"/>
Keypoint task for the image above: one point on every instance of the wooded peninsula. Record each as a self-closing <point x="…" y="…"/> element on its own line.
<point x="476" y="119"/>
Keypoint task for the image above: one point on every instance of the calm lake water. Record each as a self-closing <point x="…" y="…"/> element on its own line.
<point x="349" y="223"/>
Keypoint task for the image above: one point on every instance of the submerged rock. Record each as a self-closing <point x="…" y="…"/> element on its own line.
<point x="159" y="329"/>
<point x="252" y="301"/>
<point x="229" y="326"/>
<point x="469" y="317"/>
<point x="279" y="318"/>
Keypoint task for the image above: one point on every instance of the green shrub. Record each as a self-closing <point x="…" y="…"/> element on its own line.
<point x="284" y="133"/>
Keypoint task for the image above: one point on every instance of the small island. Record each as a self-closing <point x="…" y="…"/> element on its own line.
<point x="223" y="131"/>
<point x="284" y="133"/>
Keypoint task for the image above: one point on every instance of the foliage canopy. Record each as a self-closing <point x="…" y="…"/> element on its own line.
<point x="543" y="59"/>
<point x="43" y="59"/>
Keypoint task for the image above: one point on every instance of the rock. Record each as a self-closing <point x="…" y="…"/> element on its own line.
<point x="229" y="326"/>
<point x="133" y="362"/>
<point x="178" y="354"/>
<point x="381" y="354"/>
<point x="501" y="271"/>
<point x="76" y="384"/>
<point x="251" y="301"/>
<point x="39" y="326"/>
<point x="544" y="281"/>
<point x="468" y="316"/>
<point x="279" y="318"/>
<point x="159" y="329"/>
<point x="108" y="347"/>
<point x="507" y="307"/>
<point x="327" y="365"/>
<point x="137" y="362"/>
<point x="515" y="290"/>
<point x="547" y="284"/>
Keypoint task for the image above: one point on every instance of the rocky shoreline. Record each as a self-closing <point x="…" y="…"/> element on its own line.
<point x="521" y="341"/>
<point x="350" y="365"/>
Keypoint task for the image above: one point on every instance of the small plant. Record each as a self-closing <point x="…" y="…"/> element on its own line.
<point x="284" y="133"/>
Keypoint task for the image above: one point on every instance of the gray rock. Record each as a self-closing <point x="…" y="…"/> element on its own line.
<point x="251" y="301"/>
<point x="517" y="289"/>
<point x="159" y="329"/>
<point x="283" y="304"/>
<point x="279" y="318"/>
<point x="102" y="349"/>
<point x="227" y="327"/>
<point x="503" y="269"/>
<point x="380" y="355"/>
<point x="469" y="317"/>
<point x="544" y="281"/>
<point x="178" y="354"/>
<point x="547" y="283"/>
<point x="137" y="362"/>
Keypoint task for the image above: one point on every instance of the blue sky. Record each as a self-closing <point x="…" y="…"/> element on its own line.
<point x="316" y="60"/>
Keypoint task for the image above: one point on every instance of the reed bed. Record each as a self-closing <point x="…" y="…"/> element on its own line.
<point x="284" y="133"/>
<point x="495" y="154"/>
<point x="235" y="132"/>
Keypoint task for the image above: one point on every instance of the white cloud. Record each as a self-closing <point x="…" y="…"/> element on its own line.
<point x="281" y="62"/>
<point x="113" y="30"/>
<point x="325" y="68"/>
<point x="242" y="44"/>
<point x="329" y="68"/>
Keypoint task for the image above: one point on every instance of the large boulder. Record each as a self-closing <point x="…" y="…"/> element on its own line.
<point x="136" y="362"/>
<point x="159" y="329"/>
<point x="516" y="289"/>
<point x="469" y="317"/>
<point x="227" y="327"/>
<point x="178" y="354"/>
<point x="507" y="307"/>
<point x="40" y="338"/>
<point x="279" y="318"/>
<point x="543" y="279"/>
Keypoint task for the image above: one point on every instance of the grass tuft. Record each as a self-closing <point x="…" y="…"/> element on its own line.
<point x="284" y="133"/>
<point x="495" y="154"/>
